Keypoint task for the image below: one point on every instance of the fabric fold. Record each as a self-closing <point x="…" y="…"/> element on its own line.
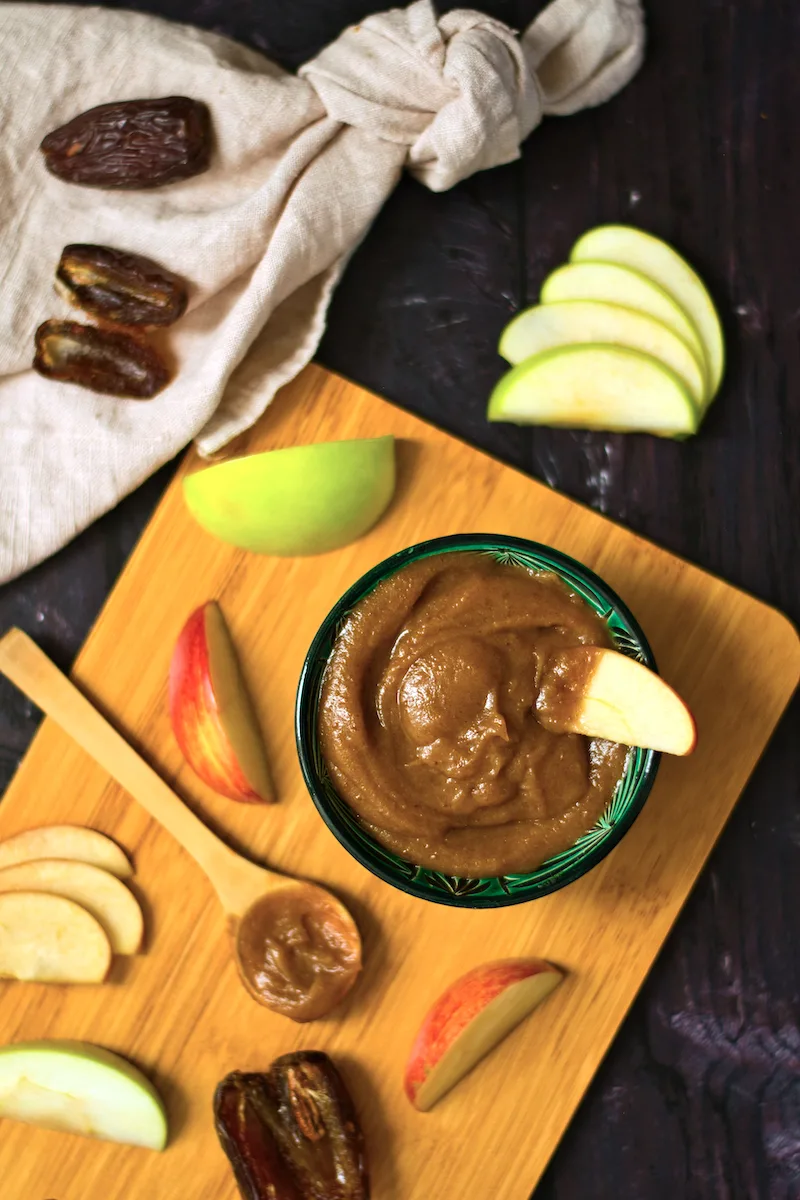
<point x="301" y="166"/>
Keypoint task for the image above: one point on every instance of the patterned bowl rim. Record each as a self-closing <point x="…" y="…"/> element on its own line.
<point x="426" y="883"/>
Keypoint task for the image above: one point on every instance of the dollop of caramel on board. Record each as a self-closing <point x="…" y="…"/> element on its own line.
<point x="298" y="952"/>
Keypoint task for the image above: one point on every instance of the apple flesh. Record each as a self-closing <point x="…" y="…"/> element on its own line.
<point x="47" y="939"/>
<point x="469" y="1019"/>
<point x="65" y="841"/>
<point x="211" y="712"/>
<point x="104" y="896"/>
<point x="603" y="694"/>
<point x="574" y="322"/>
<point x="297" y="501"/>
<point x="595" y="387"/>
<point x="77" y="1087"/>
<point x="640" y="251"/>
<point x="617" y="284"/>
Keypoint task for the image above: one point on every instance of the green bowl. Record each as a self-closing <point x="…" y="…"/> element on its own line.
<point x="495" y="891"/>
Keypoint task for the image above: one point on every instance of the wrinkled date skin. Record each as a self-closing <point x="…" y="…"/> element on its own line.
<point x="103" y="360"/>
<point x="132" y="144"/>
<point x="126" y="288"/>
<point x="292" y="1133"/>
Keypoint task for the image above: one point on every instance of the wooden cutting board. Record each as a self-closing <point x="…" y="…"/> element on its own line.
<point x="179" y="1011"/>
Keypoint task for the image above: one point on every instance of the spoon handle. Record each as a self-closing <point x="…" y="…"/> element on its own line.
<point x="32" y="671"/>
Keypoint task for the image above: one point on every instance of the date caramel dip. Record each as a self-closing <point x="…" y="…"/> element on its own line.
<point x="298" y="952"/>
<point x="428" y="722"/>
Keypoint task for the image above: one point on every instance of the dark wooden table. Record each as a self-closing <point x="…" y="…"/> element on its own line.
<point x="700" y="1097"/>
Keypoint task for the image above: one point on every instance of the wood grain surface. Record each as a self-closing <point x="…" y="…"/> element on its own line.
<point x="179" y="1011"/>
<point x="699" y="1097"/>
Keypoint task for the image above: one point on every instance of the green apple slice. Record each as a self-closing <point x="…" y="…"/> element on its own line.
<point x="595" y="387"/>
<point x="302" y="500"/>
<point x="546" y="326"/>
<point x="620" y="285"/>
<point x="78" y="1087"/>
<point x="655" y="258"/>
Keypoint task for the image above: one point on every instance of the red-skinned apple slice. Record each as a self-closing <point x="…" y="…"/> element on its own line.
<point x="212" y="715"/>
<point x="604" y="694"/>
<point x="469" y="1019"/>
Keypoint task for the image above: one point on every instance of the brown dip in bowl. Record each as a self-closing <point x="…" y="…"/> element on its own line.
<point x="427" y="722"/>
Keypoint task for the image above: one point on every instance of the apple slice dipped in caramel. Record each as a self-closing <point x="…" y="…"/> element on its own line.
<point x="298" y="500"/>
<point x="604" y="694"/>
<point x="469" y="1019"/>
<point x="212" y="714"/>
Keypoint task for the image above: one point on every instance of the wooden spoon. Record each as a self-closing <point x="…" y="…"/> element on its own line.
<point x="604" y="694"/>
<point x="302" y="976"/>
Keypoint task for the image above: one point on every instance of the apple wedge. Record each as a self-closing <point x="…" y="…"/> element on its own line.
<point x="301" y="500"/>
<point x="604" y="694"/>
<point x="212" y="715"/>
<point x="47" y="939"/>
<point x="469" y="1019"/>
<point x="595" y="387"/>
<point x="574" y="322"/>
<point x="616" y="284"/>
<point x="657" y="260"/>
<point x="77" y="1087"/>
<point x="66" y="841"/>
<point x="104" y="896"/>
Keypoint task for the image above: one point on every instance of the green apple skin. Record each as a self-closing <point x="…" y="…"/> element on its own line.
<point x="573" y="322"/>
<point x="77" y="1087"/>
<point x="601" y="387"/>
<point x="615" y="284"/>
<point x="298" y="501"/>
<point x="655" y="258"/>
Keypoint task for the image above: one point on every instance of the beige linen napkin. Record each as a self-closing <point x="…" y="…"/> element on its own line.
<point x="302" y="164"/>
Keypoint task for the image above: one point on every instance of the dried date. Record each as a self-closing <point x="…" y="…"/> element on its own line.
<point x="103" y="360"/>
<point x="126" y="288"/>
<point x="292" y="1133"/>
<point x="132" y="144"/>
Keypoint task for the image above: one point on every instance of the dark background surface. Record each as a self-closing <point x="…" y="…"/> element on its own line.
<point x="699" y="1098"/>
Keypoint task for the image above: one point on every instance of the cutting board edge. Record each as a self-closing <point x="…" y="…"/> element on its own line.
<point x="777" y="627"/>
<point x="191" y="458"/>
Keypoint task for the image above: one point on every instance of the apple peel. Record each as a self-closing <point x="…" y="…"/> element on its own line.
<point x="77" y="1087"/>
<point x="657" y="260"/>
<point x="469" y="1019"/>
<point x="47" y="939"/>
<point x="298" y="500"/>
<point x="613" y="283"/>
<point x="595" y="386"/>
<point x="601" y="693"/>
<point x="574" y="322"/>
<point x="212" y="715"/>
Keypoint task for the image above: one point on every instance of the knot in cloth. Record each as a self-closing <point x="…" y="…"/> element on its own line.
<point x="462" y="91"/>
